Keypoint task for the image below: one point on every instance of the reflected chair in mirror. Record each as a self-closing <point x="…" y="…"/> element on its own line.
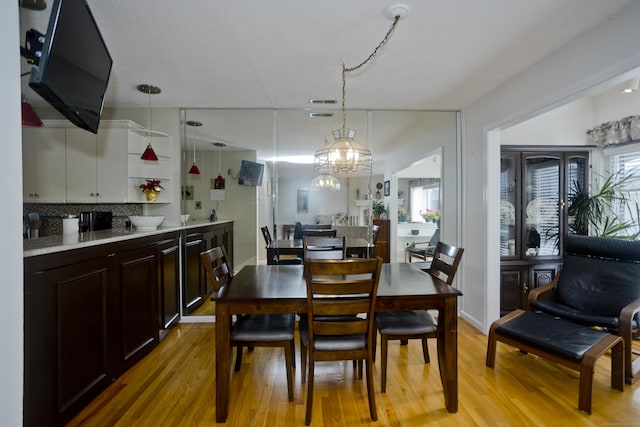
<point x="422" y="252"/>
<point x="341" y="297"/>
<point x="255" y="330"/>
<point x="318" y="247"/>
<point x="279" y="259"/>
<point x="318" y="232"/>
<point x="416" y="324"/>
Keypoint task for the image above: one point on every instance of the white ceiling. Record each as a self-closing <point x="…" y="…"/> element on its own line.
<point x="280" y="53"/>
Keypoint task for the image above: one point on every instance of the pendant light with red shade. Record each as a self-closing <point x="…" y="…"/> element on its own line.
<point x="148" y="153"/>
<point x="194" y="168"/>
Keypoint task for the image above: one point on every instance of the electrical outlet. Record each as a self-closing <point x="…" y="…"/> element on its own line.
<point x="198" y="204"/>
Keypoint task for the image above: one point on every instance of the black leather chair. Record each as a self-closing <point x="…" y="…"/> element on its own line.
<point x="599" y="286"/>
<point x="422" y="252"/>
<point x="416" y="324"/>
<point x="255" y="330"/>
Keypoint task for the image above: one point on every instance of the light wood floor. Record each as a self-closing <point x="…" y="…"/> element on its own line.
<point x="175" y="386"/>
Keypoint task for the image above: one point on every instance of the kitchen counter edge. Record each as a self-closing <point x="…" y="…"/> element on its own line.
<point x="59" y="243"/>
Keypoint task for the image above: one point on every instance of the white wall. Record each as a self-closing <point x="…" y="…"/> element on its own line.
<point x="11" y="303"/>
<point x="606" y="51"/>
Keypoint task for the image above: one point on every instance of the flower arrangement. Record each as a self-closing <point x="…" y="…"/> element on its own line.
<point x="430" y="215"/>
<point x="402" y="215"/>
<point x="151" y="185"/>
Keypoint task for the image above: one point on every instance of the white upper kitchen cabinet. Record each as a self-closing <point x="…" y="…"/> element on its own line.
<point x="43" y="165"/>
<point x="96" y="165"/>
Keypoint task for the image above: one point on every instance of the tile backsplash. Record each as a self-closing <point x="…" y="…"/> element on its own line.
<point x="51" y="214"/>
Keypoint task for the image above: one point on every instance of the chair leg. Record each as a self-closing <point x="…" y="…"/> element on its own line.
<point x="303" y="362"/>
<point x="293" y="354"/>
<point x="371" y="391"/>
<point x="374" y="342"/>
<point x="238" y="358"/>
<point x="425" y="351"/>
<point x="307" y="418"/>
<point x="289" y="358"/>
<point x="383" y="357"/>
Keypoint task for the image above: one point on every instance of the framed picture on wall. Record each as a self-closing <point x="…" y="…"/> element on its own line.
<point x="303" y="201"/>
<point x="387" y="188"/>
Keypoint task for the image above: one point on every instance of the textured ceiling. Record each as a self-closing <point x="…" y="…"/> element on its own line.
<point x="280" y="53"/>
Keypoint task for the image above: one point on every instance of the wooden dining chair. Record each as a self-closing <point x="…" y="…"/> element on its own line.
<point x="279" y="259"/>
<point x="416" y="324"/>
<point x="255" y="330"/>
<point x="341" y="297"/>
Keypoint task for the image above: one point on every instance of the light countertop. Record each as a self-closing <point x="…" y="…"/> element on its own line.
<point x="58" y="243"/>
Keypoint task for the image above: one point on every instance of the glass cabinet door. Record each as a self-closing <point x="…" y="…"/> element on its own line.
<point x="509" y="190"/>
<point x="542" y="203"/>
<point x="577" y="167"/>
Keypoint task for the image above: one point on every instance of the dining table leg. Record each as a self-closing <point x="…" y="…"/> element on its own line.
<point x="448" y="352"/>
<point x="223" y="360"/>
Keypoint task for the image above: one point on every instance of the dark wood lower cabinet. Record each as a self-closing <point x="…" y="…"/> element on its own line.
<point x="517" y="280"/>
<point x="66" y="346"/>
<point x="196" y="287"/>
<point x="89" y="315"/>
<point x="137" y="311"/>
<point x="169" y="282"/>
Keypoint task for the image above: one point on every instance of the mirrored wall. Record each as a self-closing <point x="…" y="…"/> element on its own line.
<point x="284" y="142"/>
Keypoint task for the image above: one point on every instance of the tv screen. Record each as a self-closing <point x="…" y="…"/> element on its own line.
<point x="250" y="173"/>
<point x="74" y="68"/>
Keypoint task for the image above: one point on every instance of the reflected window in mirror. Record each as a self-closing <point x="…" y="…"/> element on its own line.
<point x="424" y="199"/>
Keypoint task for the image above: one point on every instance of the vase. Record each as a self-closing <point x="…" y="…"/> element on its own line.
<point x="151" y="195"/>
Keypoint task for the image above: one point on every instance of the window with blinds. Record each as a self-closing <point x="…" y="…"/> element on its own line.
<point x="628" y="164"/>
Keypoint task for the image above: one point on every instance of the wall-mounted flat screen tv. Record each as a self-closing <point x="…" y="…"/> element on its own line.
<point x="250" y="173"/>
<point x="73" y="71"/>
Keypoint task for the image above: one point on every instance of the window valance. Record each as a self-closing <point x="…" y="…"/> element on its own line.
<point x="616" y="132"/>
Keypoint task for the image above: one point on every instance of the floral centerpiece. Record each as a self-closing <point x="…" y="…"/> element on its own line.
<point x="151" y="188"/>
<point x="430" y="215"/>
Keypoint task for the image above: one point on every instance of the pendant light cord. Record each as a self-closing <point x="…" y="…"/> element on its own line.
<point x="373" y="54"/>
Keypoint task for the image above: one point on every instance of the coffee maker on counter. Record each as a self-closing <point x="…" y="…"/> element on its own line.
<point x="95" y="221"/>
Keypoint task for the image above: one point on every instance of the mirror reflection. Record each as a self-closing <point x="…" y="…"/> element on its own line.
<point x="409" y="150"/>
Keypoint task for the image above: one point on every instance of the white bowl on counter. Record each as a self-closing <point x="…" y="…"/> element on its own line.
<point x="146" y="222"/>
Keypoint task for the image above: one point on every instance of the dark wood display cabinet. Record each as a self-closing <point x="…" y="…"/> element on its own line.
<point x="383" y="244"/>
<point x="90" y="314"/>
<point x="536" y="184"/>
<point x="196" y="287"/>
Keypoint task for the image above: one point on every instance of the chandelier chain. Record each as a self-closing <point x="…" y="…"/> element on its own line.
<point x="373" y="54"/>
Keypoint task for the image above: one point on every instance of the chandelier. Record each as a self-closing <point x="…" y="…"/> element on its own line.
<point x="326" y="182"/>
<point x="344" y="155"/>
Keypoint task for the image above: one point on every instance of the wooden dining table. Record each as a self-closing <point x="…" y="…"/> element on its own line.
<point x="282" y="289"/>
<point x="358" y="247"/>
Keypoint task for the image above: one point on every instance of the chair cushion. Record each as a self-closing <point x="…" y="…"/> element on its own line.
<point x="598" y="286"/>
<point x="264" y="327"/>
<point x="331" y="342"/>
<point x="556" y="336"/>
<point x="405" y="322"/>
<point x="578" y="316"/>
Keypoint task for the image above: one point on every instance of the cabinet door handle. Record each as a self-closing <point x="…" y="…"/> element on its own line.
<point x="525" y="288"/>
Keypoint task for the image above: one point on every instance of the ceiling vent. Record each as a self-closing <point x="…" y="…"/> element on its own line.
<point x="323" y="101"/>
<point x="315" y="115"/>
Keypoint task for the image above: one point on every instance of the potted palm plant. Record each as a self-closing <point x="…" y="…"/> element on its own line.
<point x="608" y="211"/>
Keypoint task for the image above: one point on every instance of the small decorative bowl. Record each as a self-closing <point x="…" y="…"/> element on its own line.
<point x="146" y="222"/>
